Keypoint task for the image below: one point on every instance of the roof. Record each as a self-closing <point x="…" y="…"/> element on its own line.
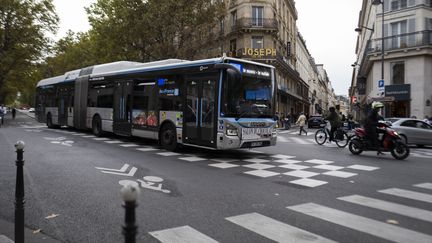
<point x="125" y="67"/>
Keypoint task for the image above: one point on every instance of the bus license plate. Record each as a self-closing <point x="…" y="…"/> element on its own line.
<point x="256" y="144"/>
<point x="255" y="133"/>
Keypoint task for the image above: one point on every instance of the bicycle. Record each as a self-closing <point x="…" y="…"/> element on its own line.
<point x="341" y="137"/>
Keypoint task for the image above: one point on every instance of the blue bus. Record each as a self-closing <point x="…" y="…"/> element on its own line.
<point x="219" y="103"/>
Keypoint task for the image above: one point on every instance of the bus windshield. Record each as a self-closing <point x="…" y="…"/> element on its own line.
<point x="250" y="97"/>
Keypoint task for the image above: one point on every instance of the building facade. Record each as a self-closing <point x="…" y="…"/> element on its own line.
<point x="394" y="42"/>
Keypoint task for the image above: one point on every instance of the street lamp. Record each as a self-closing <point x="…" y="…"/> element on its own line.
<point x="359" y="29"/>
<point x="378" y="2"/>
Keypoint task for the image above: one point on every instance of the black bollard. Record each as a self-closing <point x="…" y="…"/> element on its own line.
<point x="19" y="194"/>
<point x="130" y="192"/>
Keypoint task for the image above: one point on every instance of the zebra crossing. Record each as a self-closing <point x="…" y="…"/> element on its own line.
<point x="276" y="230"/>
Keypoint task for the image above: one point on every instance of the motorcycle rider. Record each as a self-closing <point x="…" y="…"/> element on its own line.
<point x="335" y="122"/>
<point x="371" y="124"/>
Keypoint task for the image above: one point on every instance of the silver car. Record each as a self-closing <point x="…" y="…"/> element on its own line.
<point x="413" y="131"/>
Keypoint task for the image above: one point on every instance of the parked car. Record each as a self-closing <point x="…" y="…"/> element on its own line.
<point x="315" y="121"/>
<point x="413" y="131"/>
<point x="31" y="109"/>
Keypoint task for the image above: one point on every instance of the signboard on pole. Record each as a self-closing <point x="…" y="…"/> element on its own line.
<point x="381" y="87"/>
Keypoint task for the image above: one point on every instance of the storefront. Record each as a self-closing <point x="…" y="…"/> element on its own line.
<point x="401" y="98"/>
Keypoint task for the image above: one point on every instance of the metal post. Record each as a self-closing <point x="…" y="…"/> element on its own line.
<point x="19" y="194"/>
<point x="129" y="193"/>
<point x="382" y="40"/>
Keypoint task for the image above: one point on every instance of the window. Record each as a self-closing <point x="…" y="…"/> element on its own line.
<point x="257" y="42"/>
<point x="233" y="18"/>
<point x="233" y="47"/>
<point x="105" y="101"/>
<point x="398" y="73"/>
<point x="397" y="30"/>
<point x="257" y="16"/>
<point x="144" y="104"/>
<point x="398" y="4"/>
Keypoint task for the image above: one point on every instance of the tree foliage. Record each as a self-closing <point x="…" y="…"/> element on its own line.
<point x="23" y="28"/>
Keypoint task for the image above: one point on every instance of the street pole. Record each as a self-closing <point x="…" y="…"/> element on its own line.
<point x="382" y="40"/>
<point x="19" y="194"/>
<point x="130" y="193"/>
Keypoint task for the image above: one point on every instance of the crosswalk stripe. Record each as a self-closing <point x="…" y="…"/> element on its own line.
<point x="389" y="207"/>
<point x="300" y="141"/>
<point x="369" y="226"/>
<point x="183" y="234"/>
<point x="282" y="139"/>
<point x="424" y="185"/>
<point x="275" y="230"/>
<point x="408" y="194"/>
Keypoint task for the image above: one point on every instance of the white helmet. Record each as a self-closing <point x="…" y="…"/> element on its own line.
<point x="377" y="105"/>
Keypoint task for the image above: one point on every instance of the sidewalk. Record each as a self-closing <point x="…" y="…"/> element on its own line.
<point x="7" y="233"/>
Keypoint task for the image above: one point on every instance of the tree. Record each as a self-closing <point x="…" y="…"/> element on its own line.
<point x="137" y="30"/>
<point x="23" y="28"/>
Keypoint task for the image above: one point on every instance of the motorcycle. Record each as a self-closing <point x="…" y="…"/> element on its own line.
<point x="390" y="141"/>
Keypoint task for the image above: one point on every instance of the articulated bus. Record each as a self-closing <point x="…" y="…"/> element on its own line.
<point x="219" y="103"/>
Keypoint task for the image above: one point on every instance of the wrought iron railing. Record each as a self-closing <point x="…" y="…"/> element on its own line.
<point x="414" y="39"/>
<point x="254" y="23"/>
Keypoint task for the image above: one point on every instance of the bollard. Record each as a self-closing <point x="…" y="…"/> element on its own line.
<point x="19" y="194"/>
<point x="130" y="193"/>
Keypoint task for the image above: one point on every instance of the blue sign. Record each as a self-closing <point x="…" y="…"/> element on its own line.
<point x="238" y="66"/>
<point x="380" y="83"/>
<point x="161" y="82"/>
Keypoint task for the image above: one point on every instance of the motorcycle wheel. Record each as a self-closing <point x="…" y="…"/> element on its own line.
<point x="400" y="151"/>
<point x="355" y="147"/>
<point x="320" y="136"/>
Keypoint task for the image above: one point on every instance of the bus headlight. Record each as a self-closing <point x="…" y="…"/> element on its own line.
<point x="274" y="132"/>
<point x="231" y="130"/>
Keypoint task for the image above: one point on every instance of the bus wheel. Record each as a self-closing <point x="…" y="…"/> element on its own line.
<point x="168" y="137"/>
<point x="97" y="126"/>
<point x="49" y="122"/>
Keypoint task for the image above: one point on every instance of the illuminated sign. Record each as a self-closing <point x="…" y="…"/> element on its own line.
<point x="259" y="52"/>
<point x="256" y="72"/>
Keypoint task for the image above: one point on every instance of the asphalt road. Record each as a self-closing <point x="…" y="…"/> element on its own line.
<point x="296" y="191"/>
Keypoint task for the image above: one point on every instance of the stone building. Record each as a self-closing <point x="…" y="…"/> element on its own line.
<point x="394" y="41"/>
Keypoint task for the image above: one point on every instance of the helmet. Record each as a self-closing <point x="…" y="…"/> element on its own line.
<point x="377" y="105"/>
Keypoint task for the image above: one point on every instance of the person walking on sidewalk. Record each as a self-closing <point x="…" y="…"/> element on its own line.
<point x="301" y="122"/>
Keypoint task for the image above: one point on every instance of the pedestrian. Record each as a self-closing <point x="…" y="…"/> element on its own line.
<point x="13" y="113"/>
<point x="335" y="122"/>
<point x="2" y="113"/>
<point x="277" y="118"/>
<point x="301" y="122"/>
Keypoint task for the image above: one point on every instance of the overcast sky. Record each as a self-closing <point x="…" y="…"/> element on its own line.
<point x="326" y="25"/>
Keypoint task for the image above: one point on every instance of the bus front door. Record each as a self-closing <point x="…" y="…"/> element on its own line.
<point x="122" y="108"/>
<point x="200" y="111"/>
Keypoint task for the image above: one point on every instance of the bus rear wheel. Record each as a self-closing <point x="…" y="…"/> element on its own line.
<point x="97" y="126"/>
<point x="168" y="137"/>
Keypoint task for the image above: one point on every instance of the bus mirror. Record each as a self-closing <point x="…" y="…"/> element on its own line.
<point x="232" y="72"/>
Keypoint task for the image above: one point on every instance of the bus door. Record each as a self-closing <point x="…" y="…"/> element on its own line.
<point x="200" y="111"/>
<point x="63" y="105"/>
<point x="122" y="108"/>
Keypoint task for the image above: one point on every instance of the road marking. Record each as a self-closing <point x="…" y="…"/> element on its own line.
<point x="299" y="140"/>
<point x="363" y="167"/>
<point x="275" y="230"/>
<point x="282" y="156"/>
<point x="301" y="173"/>
<point x="389" y="207"/>
<point x="308" y="182"/>
<point x="192" y="159"/>
<point x="369" y="226"/>
<point x="79" y="134"/>
<point x="113" y="141"/>
<point x="168" y="154"/>
<point x="256" y="160"/>
<point x="424" y="185"/>
<point x="183" y="234"/>
<point x="89" y="136"/>
<point x="120" y="171"/>
<point x="101" y="139"/>
<point x="129" y="145"/>
<point x="223" y="165"/>
<point x="261" y="173"/>
<point x="408" y="194"/>
<point x="319" y="161"/>
<point x="328" y="167"/>
<point x="282" y="139"/>
<point x="338" y="173"/>
<point x="146" y="149"/>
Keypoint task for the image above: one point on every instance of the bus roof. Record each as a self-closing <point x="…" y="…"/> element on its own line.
<point x="125" y="67"/>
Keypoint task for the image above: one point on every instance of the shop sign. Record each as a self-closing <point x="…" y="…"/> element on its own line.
<point x="259" y="52"/>
<point x="399" y="91"/>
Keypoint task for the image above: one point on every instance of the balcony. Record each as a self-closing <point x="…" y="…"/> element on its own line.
<point x="402" y="41"/>
<point x="244" y="24"/>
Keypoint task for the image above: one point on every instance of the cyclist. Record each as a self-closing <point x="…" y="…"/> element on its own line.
<point x="371" y="124"/>
<point x="335" y="122"/>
